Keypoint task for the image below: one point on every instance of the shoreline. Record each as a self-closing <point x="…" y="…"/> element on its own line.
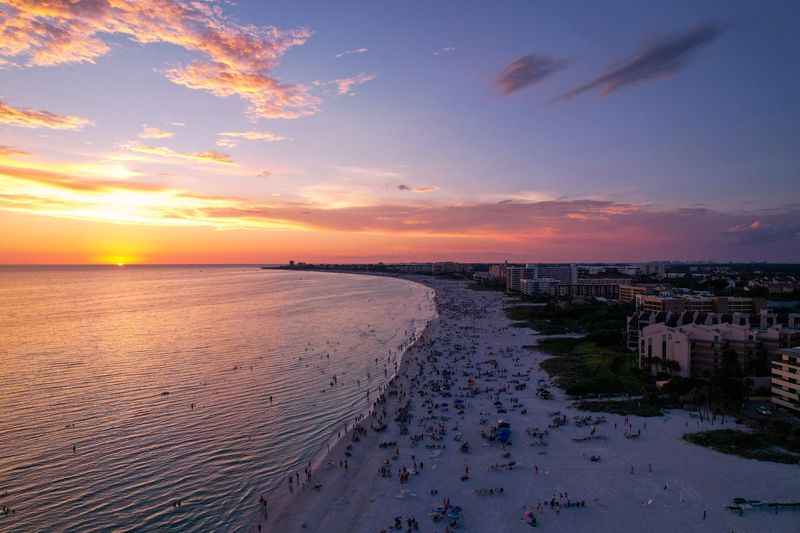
<point x="644" y="473"/>
<point x="322" y="456"/>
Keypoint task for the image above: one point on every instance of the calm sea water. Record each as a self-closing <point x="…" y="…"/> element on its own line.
<point x="111" y="360"/>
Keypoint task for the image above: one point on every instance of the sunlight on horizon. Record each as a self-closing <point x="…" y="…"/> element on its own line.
<point x="290" y="128"/>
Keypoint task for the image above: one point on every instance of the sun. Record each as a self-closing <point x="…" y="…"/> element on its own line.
<point x="118" y="261"/>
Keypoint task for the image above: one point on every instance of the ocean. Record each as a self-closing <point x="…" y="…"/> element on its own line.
<point x="200" y="384"/>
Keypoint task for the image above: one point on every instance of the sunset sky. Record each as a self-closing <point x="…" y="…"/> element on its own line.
<point x="217" y="131"/>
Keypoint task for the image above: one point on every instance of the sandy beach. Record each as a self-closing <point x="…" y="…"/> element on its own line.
<point x="472" y="370"/>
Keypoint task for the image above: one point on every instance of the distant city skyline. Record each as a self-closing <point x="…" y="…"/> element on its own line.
<point x="164" y="131"/>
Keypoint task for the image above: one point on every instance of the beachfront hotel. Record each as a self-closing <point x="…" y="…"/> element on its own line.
<point x="786" y="379"/>
<point x="515" y="275"/>
<point x="557" y="280"/>
<point x="696" y="350"/>
<point x="627" y="293"/>
<point x="563" y="272"/>
<point x="669" y="302"/>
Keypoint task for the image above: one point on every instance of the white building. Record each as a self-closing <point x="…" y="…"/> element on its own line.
<point x="699" y="349"/>
<point x="666" y="349"/>
<point x="515" y="275"/>
<point x="786" y="379"/>
<point x="565" y="273"/>
<point x="539" y="286"/>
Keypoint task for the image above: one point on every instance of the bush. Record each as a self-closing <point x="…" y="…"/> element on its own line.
<point x="753" y="445"/>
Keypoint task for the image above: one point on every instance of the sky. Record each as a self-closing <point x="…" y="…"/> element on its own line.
<point x="219" y="131"/>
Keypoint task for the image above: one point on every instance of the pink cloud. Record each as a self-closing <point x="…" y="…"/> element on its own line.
<point x="267" y="97"/>
<point x="31" y="118"/>
<point x="149" y="132"/>
<point x="10" y="151"/>
<point x="209" y="156"/>
<point x="238" y="58"/>
<point x="559" y="230"/>
<point x="345" y="85"/>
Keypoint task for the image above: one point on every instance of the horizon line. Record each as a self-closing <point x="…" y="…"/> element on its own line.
<point x="309" y="263"/>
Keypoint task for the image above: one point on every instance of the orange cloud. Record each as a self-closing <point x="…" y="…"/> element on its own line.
<point x="209" y="156"/>
<point x="226" y="143"/>
<point x="578" y="230"/>
<point x="267" y="97"/>
<point x="155" y="133"/>
<point x="239" y="58"/>
<point x="53" y="194"/>
<point x="267" y="136"/>
<point x="30" y="118"/>
<point x="10" y="151"/>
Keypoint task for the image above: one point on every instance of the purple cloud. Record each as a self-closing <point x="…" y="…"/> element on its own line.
<point x="662" y="58"/>
<point x="528" y="70"/>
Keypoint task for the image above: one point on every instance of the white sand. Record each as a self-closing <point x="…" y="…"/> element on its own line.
<point x="360" y="500"/>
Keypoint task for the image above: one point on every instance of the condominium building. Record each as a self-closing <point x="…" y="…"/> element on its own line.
<point x="539" y="286"/>
<point x="693" y="302"/>
<point x="674" y="304"/>
<point x="665" y="349"/>
<point x="589" y="289"/>
<point x="627" y="293"/>
<point x="584" y="288"/>
<point x="498" y="272"/>
<point x="641" y="319"/>
<point x="786" y="379"/>
<point x="515" y="275"/>
<point x="698" y="349"/>
<point x="625" y="269"/>
<point x="565" y="273"/>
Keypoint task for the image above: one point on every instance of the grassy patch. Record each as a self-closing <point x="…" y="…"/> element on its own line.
<point x="584" y="368"/>
<point x="756" y="445"/>
<point x="622" y="407"/>
<point x="597" y="363"/>
<point x="602" y="321"/>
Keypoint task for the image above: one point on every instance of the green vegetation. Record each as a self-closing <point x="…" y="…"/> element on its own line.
<point x="596" y="363"/>
<point x="643" y="407"/>
<point x="761" y="445"/>
<point x="603" y="322"/>
<point x="585" y="368"/>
